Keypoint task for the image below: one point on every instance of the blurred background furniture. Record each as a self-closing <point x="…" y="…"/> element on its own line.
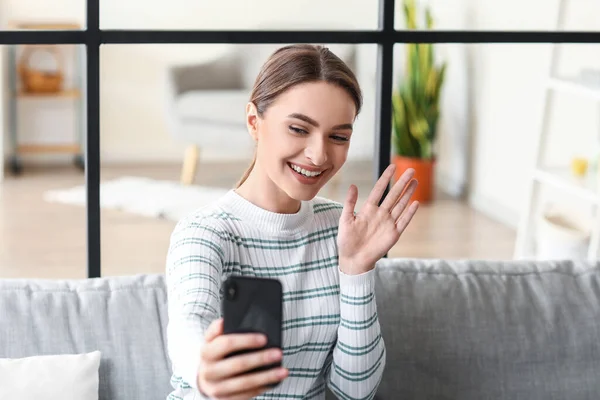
<point x="206" y="101"/>
<point x="30" y="82"/>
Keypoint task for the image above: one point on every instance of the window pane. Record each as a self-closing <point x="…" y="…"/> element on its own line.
<point x="531" y="15"/>
<point x="491" y="114"/>
<point x="40" y="14"/>
<point x="43" y="221"/>
<point x="239" y="14"/>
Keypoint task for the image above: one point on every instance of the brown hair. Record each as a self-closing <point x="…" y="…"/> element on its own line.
<point x="295" y="64"/>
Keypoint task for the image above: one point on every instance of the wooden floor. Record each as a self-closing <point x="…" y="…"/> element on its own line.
<point x="48" y="240"/>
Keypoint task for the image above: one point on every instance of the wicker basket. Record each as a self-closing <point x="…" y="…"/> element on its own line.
<point x="37" y="81"/>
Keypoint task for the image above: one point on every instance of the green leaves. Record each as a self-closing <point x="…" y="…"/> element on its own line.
<point x="415" y="103"/>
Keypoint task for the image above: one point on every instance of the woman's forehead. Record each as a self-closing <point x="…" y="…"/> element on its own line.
<point x="319" y="101"/>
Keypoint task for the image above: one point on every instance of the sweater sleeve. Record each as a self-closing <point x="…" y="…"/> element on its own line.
<point x="193" y="277"/>
<point x="359" y="354"/>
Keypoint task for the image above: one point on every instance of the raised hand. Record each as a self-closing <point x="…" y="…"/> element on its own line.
<point x="367" y="236"/>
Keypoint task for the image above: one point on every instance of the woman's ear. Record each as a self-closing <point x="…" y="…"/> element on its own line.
<point x="252" y="120"/>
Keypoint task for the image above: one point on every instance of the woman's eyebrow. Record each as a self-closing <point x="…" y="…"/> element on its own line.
<point x="304" y="118"/>
<point x="314" y="123"/>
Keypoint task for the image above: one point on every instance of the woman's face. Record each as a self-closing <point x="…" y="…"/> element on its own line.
<point x="303" y="138"/>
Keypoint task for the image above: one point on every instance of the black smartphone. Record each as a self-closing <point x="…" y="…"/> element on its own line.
<point x="253" y="305"/>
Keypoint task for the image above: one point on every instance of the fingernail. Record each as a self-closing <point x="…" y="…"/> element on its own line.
<point x="262" y="339"/>
<point x="274" y="355"/>
<point x="282" y="372"/>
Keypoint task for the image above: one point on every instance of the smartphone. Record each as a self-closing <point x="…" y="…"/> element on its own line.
<point x="253" y="305"/>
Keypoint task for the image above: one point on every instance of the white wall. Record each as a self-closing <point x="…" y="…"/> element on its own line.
<point x="509" y="87"/>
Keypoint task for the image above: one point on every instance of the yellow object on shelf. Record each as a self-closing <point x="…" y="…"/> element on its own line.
<point x="579" y="166"/>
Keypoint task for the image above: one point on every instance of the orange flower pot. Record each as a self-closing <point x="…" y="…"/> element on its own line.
<point x="424" y="174"/>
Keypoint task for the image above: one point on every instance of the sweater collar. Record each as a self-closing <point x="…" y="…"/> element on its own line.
<point x="266" y="220"/>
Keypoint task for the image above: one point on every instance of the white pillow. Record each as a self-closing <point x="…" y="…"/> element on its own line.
<point x="64" y="377"/>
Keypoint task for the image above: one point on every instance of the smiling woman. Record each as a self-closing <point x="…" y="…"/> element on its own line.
<point x="300" y="114"/>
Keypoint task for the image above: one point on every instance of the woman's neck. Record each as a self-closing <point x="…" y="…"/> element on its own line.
<point x="264" y="193"/>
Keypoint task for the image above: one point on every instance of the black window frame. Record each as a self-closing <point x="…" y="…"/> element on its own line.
<point x="385" y="37"/>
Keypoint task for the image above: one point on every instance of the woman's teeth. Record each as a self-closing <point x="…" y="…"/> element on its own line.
<point x="305" y="172"/>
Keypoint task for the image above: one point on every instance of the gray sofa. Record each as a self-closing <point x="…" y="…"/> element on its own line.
<point x="454" y="330"/>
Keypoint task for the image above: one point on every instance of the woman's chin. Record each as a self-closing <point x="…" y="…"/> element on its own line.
<point x="303" y="192"/>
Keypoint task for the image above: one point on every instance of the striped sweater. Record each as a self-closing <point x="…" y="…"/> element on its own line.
<point x="331" y="335"/>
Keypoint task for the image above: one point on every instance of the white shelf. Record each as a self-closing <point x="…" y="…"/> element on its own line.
<point x="584" y="187"/>
<point x="574" y="86"/>
<point x="585" y="85"/>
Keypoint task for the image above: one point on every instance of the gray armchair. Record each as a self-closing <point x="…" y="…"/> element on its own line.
<point x="205" y="105"/>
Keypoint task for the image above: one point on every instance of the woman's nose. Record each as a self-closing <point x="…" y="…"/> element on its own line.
<point x="317" y="152"/>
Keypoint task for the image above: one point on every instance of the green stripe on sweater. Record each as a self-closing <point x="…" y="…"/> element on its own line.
<point x="287" y="269"/>
<point x="198" y="275"/>
<point x="341" y="395"/>
<point x="311" y="293"/>
<point x="311" y="346"/>
<point x="317" y="390"/>
<point x="319" y="208"/>
<point x="199" y="241"/>
<point x="357" y="300"/>
<point x="196" y="259"/>
<point x="316" y="320"/>
<point x="277" y="244"/>
<point x="358" y="325"/>
<point x="361" y="375"/>
<point x="358" y="350"/>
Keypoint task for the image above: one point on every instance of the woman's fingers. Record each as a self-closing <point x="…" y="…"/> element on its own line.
<point x="401" y="204"/>
<point x="247" y="394"/>
<point x="242" y="363"/>
<point x="399" y="187"/>
<point x="214" y="329"/>
<point x="240" y="386"/>
<point x="350" y="203"/>
<point x="224" y="345"/>
<point x="380" y="186"/>
<point x="404" y="220"/>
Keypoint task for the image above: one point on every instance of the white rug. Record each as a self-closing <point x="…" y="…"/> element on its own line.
<point x="143" y="196"/>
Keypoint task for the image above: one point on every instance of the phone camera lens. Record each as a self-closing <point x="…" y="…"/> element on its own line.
<point x="232" y="291"/>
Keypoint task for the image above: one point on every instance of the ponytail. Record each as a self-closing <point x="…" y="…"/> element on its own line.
<point x="247" y="172"/>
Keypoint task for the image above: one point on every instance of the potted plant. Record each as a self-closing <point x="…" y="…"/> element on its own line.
<point x="415" y="110"/>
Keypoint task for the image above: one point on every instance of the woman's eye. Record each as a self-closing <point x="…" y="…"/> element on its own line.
<point x="298" y="130"/>
<point x="340" y="138"/>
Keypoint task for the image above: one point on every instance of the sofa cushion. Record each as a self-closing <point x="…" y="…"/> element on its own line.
<point x="122" y="317"/>
<point x="489" y="330"/>
<point x="64" y="376"/>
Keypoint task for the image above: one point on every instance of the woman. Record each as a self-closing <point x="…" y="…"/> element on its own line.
<point x="300" y="114"/>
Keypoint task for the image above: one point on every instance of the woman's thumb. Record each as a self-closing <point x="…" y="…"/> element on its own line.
<point x="350" y="203"/>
